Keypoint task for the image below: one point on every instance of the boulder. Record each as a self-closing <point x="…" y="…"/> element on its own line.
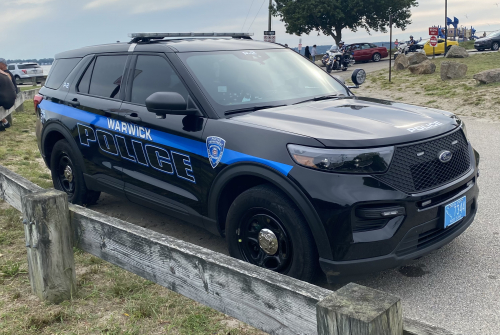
<point x="426" y="67"/>
<point x="488" y="76"/>
<point x="416" y="58"/>
<point x="457" y="52"/>
<point x="401" y="62"/>
<point x="453" y="70"/>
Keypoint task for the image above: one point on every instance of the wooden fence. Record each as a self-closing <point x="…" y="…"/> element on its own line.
<point x="20" y="99"/>
<point x="266" y="300"/>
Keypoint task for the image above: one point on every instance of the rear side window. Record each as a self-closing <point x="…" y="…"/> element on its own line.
<point x="59" y="71"/>
<point x="28" y="66"/>
<point x="107" y="75"/>
<point x="154" y="74"/>
<point x="84" y="84"/>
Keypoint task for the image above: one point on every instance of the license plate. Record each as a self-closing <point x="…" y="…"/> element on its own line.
<point x="455" y="211"/>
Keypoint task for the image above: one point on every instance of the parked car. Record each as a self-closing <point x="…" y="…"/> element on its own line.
<point x="368" y="51"/>
<point x="491" y="41"/>
<point x="253" y="142"/>
<point x="439" y="47"/>
<point x="24" y="72"/>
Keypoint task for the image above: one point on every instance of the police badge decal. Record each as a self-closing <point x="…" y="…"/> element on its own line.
<point x="215" y="148"/>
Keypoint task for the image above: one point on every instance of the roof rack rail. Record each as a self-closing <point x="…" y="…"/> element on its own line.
<point x="146" y="37"/>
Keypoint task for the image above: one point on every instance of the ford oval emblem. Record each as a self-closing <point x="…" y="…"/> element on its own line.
<point x="445" y="156"/>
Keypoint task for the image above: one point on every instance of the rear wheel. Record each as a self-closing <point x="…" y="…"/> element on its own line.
<point x="376" y="57"/>
<point x="67" y="175"/>
<point x="18" y="79"/>
<point x="265" y="228"/>
<point x="495" y="46"/>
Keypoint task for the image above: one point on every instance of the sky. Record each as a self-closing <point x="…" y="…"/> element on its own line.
<point x="43" y="28"/>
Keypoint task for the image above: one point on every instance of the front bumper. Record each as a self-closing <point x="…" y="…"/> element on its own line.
<point x="417" y="242"/>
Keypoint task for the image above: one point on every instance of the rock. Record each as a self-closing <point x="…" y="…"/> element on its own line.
<point x="453" y="70"/>
<point x="401" y="62"/>
<point x="416" y="58"/>
<point x="426" y="67"/>
<point x="488" y="76"/>
<point x="457" y="52"/>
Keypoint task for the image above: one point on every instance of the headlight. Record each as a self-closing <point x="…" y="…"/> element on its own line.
<point x="363" y="161"/>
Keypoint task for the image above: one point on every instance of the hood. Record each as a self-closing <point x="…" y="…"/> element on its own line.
<point x="355" y="122"/>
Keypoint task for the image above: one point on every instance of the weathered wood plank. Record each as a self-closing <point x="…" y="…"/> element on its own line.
<point x="50" y="245"/>
<point x="13" y="187"/>
<point x="20" y="99"/>
<point x="266" y="300"/>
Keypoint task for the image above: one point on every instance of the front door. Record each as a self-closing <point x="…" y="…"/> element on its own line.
<point x="96" y="102"/>
<point x="161" y="157"/>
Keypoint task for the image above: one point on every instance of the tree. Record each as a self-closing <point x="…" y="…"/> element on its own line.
<point x="332" y="16"/>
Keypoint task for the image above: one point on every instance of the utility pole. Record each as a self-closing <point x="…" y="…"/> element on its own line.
<point x="270" y="5"/>
<point x="390" y="47"/>
<point x="445" y="25"/>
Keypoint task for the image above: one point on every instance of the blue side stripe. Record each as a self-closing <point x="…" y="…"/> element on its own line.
<point x="169" y="140"/>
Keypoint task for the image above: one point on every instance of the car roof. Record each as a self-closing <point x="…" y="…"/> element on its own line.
<point x="175" y="45"/>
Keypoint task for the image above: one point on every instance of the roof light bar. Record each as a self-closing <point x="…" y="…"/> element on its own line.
<point x="162" y="35"/>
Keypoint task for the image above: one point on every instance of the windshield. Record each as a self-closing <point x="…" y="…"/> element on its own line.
<point x="250" y="78"/>
<point x="494" y="34"/>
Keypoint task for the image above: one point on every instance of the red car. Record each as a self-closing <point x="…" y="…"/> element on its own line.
<point x="368" y="51"/>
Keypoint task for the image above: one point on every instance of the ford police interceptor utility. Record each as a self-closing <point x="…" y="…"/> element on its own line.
<point x="252" y="141"/>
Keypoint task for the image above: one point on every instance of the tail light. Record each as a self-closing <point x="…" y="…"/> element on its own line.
<point x="24" y="71"/>
<point x="36" y="101"/>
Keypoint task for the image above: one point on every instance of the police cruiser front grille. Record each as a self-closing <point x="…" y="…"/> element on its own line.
<point x="417" y="168"/>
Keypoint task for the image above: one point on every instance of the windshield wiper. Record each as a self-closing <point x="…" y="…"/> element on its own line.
<point x="250" y="109"/>
<point x="320" y="97"/>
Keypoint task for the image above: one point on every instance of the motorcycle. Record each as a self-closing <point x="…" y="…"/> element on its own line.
<point x="404" y="48"/>
<point x="331" y="60"/>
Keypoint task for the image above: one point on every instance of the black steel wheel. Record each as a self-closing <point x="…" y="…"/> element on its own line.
<point x="67" y="174"/>
<point x="265" y="228"/>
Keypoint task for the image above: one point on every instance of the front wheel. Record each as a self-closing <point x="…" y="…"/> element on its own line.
<point x="265" y="228"/>
<point x="495" y="46"/>
<point x="329" y="68"/>
<point x="67" y="175"/>
<point x="376" y="57"/>
<point x="18" y="80"/>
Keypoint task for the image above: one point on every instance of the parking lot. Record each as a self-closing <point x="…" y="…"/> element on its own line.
<point x="456" y="287"/>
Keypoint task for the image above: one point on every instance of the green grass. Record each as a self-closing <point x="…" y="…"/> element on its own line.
<point x="109" y="300"/>
<point x="467" y="45"/>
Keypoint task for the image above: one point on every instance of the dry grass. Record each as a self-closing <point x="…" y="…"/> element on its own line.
<point x="464" y="97"/>
<point x="109" y="300"/>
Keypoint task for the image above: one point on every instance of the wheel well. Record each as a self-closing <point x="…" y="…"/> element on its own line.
<point x="50" y="140"/>
<point x="231" y="190"/>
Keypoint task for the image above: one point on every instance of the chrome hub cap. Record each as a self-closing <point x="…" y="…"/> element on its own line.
<point x="268" y="241"/>
<point x="68" y="173"/>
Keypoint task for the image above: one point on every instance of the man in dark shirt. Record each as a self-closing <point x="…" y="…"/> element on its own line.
<point x="3" y="67"/>
<point x="8" y="92"/>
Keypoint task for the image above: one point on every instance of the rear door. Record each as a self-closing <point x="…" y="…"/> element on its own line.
<point x="94" y="106"/>
<point x="161" y="157"/>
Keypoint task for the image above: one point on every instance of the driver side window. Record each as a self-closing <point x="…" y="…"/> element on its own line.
<point x="154" y="74"/>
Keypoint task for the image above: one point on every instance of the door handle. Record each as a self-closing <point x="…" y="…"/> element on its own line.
<point x="74" y="102"/>
<point x="132" y="117"/>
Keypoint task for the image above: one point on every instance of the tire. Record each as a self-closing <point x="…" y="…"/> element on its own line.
<point x="264" y="209"/>
<point x="376" y="57"/>
<point x="344" y="69"/>
<point x="494" y="46"/>
<point x="329" y="69"/>
<point x="18" y="80"/>
<point x="73" y="184"/>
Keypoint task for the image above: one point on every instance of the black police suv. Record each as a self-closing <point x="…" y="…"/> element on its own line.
<point x="254" y="142"/>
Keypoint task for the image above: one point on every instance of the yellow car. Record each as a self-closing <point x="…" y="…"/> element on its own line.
<point x="439" y="47"/>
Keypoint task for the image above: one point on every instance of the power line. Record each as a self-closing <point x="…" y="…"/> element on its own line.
<point x="256" y="15"/>
<point x="247" y="15"/>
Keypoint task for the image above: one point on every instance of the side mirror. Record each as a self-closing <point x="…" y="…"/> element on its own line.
<point x="171" y="103"/>
<point x="358" y="77"/>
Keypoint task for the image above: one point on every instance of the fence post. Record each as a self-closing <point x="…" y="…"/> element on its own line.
<point x="33" y="81"/>
<point x="359" y="310"/>
<point x="49" y="244"/>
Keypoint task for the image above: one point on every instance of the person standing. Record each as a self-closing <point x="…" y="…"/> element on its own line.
<point x="7" y="96"/>
<point x="314" y="52"/>
<point x="3" y="67"/>
<point x="307" y="53"/>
